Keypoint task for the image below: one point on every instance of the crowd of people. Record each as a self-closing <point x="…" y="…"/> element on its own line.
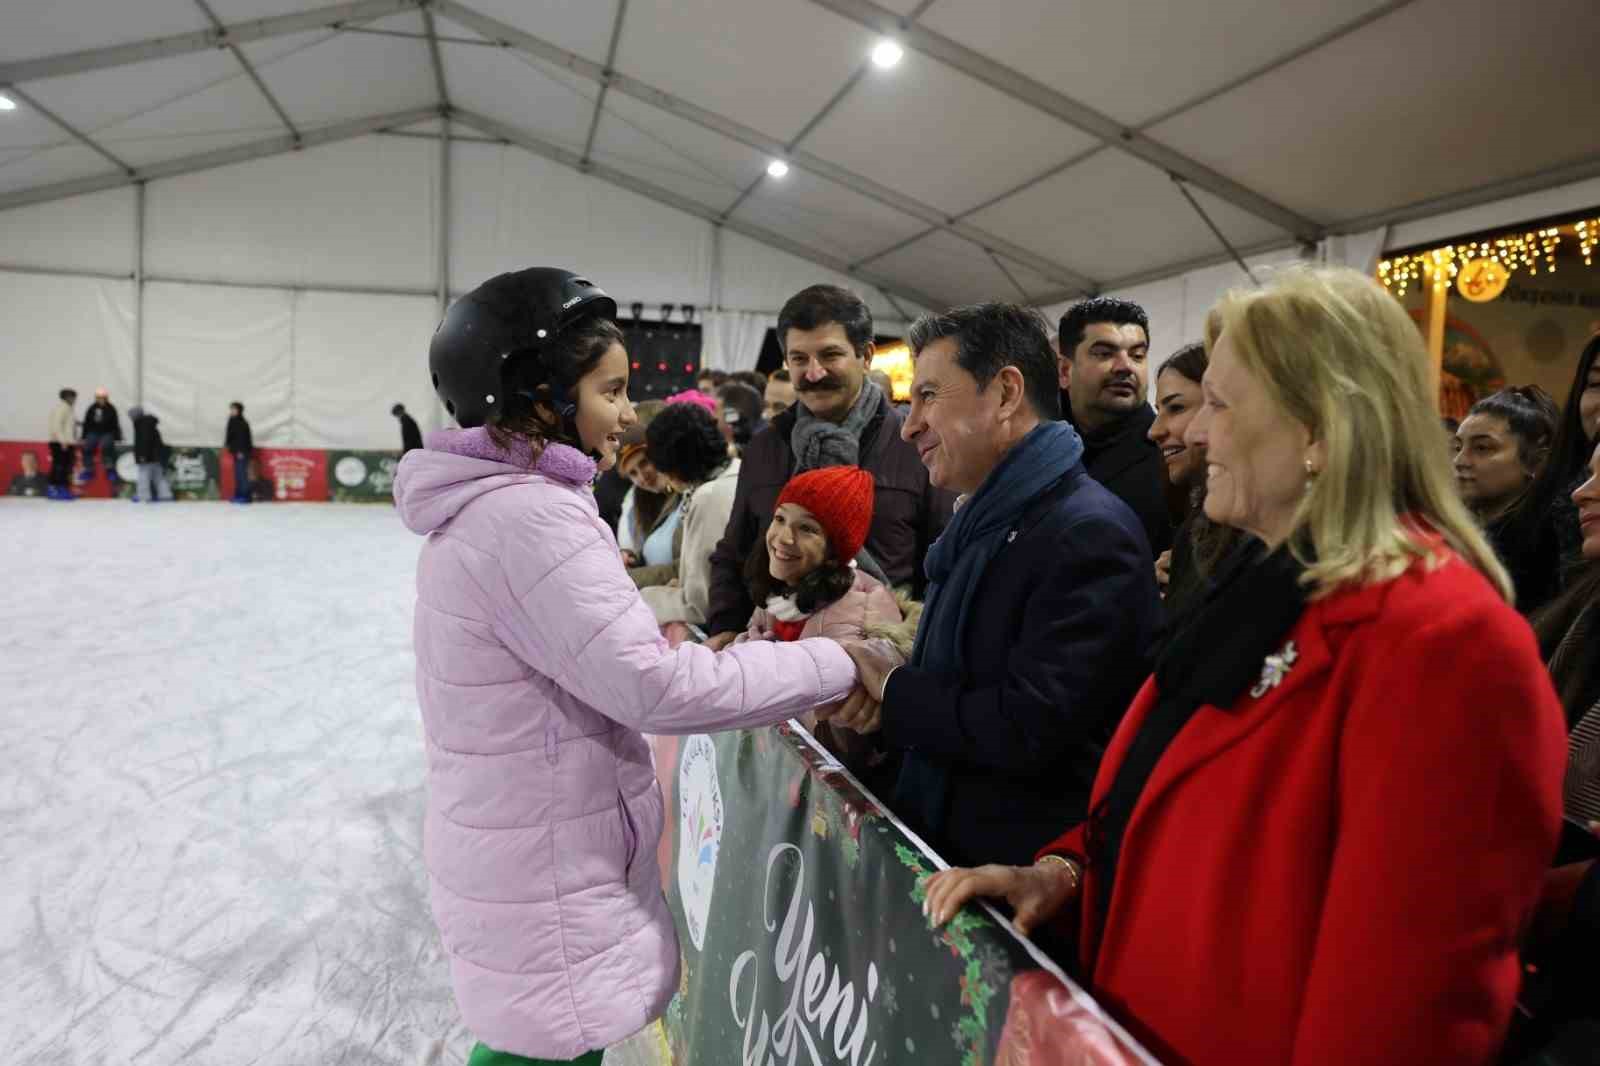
<point x="1232" y="701"/>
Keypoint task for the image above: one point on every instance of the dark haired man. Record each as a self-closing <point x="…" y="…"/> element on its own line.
<point x="410" y="432"/>
<point x="1105" y="379"/>
<point x="840" y="419"/>
<point x="778" y="396"/>
<point x="1042" y="606"/>
<point x="239" y="443"/>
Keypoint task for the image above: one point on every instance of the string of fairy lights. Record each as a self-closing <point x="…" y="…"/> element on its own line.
<point x="1533" y="251"/>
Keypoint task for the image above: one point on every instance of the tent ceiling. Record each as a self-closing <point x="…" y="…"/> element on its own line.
<point x="1335" y="110"/>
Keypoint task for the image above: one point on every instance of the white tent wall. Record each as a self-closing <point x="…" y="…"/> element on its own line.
<point x="94" y="232"/>
<point x="358" y="213"/>
<point x="301" y="284"/>
<point x="60" y="332"/>
<point x="512" y="209"/>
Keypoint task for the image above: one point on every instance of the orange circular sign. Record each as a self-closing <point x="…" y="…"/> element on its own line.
<point x="1481" y="280"/>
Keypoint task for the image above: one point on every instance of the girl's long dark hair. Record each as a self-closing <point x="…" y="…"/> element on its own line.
<point x="825" y="585"/>
<point x="1569" y="456"/>
<point x="538" y="384"/>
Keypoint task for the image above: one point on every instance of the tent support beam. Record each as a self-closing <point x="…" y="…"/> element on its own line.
<point x="121" y="55"/>
<point x="605" y="86"/>
<point x="525" y="42"/>
<point x="1038" y="95"/>
<point x="138" y="290"/>
<point x="557" y="154"/>
<point x="249" y="68"/>
<point x="437" y="59"/>
<point x="68" y="127"/>
<point x="1212" y="226"/>
<point x="222" y="157"/>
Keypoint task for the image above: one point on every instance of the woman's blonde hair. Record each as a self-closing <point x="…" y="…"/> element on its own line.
<point x="1341" y="356"/>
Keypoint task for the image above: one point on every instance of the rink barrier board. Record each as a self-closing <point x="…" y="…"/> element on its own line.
<point x="277" y="474"/>
<point x="798" y="902"/>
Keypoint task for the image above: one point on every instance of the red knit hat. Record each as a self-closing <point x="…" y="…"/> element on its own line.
<point x="841" y="499"/>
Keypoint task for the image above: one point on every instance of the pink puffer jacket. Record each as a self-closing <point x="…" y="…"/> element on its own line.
<point x="538" y="667"/>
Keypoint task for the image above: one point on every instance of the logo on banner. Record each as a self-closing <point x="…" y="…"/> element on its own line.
<point x="699" y="832"/>
<point x="189" y="471"/>
<point x="127" y="467"/>
<point x="290" y="473"/>
<point x="350" y="471"/>
<point x="829" y="1022"/>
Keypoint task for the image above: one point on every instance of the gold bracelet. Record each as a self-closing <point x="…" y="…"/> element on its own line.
<point x="1071" y="867"/>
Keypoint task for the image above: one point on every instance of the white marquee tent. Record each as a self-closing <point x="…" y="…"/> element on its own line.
<point x="206" y="200"/>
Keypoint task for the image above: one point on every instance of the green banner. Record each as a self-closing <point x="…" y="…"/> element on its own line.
<point x="193" y="472"/>
<point x="362" y="476"/>
<point x="798" y="902"/>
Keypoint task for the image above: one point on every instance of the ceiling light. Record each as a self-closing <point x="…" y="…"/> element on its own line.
<point x="7" y="104"/>
<point x="887" y="53"/>
<point x="777" y="168"/>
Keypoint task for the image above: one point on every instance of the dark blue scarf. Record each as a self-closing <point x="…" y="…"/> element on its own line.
<point x="977" y="532"/>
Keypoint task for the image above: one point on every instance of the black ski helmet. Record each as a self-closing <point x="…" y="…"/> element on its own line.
<point x="506" y="319"/>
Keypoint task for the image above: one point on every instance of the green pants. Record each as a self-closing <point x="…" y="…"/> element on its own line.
<point x="483" y="1056"/>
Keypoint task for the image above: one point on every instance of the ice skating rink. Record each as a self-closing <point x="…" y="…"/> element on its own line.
<point x="213" y="788"/>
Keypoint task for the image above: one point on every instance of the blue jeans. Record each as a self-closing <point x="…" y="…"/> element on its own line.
<point x="241" y="476"/>
<point x="106" y="444"/>
<point x="153" y="483"/>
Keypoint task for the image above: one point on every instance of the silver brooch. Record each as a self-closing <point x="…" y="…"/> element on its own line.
<point x="1274" y="670"/>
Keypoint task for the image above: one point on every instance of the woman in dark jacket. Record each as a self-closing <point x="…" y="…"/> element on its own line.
<point x="1501" y="447"/>
<point x="1321" y="827"/>
<point x="1560" y="996"/>
<point x="1199" y="542"/>
<point x="1545" y="515"/>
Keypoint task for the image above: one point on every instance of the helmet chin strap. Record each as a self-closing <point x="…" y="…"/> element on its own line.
<point x="566" y="410"/>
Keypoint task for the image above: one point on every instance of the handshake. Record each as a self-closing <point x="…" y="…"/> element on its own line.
<point x="862" y="710"/>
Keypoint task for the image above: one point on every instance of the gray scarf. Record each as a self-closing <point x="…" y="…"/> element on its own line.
<point x="818" y="443"/>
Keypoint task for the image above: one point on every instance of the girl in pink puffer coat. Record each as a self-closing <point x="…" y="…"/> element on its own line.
<point x="538" y="670"/>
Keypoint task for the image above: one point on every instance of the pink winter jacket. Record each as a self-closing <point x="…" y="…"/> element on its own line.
<point x="538" y="667"/>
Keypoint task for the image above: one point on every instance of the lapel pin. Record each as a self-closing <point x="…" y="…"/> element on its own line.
<point x="1275" y="669"/>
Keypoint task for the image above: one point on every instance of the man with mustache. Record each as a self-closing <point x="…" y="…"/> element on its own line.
<point x="840" y="419"/>
<point x="1105" y="377"/>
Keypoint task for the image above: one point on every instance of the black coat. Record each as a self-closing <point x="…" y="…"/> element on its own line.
<point x="148" y="446"/>
<point x="410" y="435"/>
<point x="908" y="512"/>
<point x="1063" y="625"/>
<point x="102" y="418"/>
<point x="1122" y="457"/>
<point x="238" y="438"/>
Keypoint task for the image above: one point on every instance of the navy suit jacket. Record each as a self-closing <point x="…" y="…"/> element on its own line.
<point x="1061" y="636"/>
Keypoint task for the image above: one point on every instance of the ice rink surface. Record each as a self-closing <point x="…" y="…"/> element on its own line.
<point x="213" y="788"/>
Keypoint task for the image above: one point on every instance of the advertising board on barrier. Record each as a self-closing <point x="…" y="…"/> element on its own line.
<point x="362" y="476"/>
<point x="294" y="474"/>
<point x="799" y="910"/>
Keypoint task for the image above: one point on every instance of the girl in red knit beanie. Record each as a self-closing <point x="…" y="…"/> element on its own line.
<point x="803" y="575"/>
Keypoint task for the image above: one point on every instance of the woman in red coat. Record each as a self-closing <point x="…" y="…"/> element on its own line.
<point x="1320" y="828"/>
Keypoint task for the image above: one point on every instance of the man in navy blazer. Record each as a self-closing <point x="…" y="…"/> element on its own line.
<point x="1042" y="607"/>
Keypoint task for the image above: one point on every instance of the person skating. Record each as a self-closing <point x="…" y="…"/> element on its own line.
<point x="150" y="452"/>
<point x="539" y="668"/>
<point x="410" y="434"/>
<point x="102" y="429"/>
<point x="240" y="445"/>
<point x="63" y="433"/>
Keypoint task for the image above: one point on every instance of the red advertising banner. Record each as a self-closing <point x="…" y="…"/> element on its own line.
<point x="15" y="479"/>
<point x="283" y="474"/>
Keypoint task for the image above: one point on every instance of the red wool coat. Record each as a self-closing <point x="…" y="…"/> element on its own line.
<point x="1336" y="872"/>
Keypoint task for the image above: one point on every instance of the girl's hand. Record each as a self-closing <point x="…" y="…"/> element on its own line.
<point x="1036" y="893"/>
<point x="1164" y="570"/>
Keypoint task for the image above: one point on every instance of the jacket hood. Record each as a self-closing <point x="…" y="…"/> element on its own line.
<point x="457" y="466"/>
